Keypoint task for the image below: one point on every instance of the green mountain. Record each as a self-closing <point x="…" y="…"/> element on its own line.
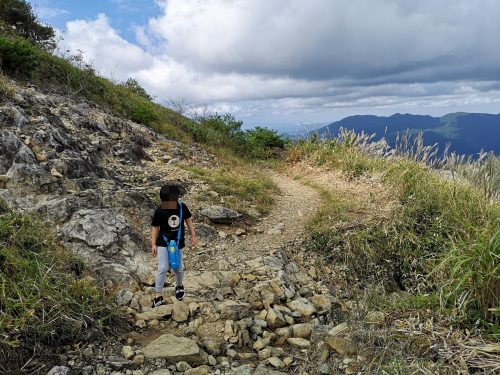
<point x="467" y="133"/>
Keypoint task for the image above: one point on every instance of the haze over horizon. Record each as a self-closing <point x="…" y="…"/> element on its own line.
<point x="286" y="62"/>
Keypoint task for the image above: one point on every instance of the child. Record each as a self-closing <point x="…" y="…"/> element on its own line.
<point x="166" y="223"/>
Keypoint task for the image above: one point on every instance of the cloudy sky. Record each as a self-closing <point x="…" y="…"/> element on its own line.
<point x="294" y="63"/>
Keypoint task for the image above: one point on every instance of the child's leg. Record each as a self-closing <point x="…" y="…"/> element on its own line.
<point x="179" y="273"/>
<point x="163" y="268"/>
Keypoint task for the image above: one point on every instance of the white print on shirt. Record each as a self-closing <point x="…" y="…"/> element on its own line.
<point x="173" y="221"/>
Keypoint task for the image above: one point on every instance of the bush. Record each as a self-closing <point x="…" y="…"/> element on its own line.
<point x="143" y="112"/>
<point x="17" y="56"/>
<point x="264" y="143"/>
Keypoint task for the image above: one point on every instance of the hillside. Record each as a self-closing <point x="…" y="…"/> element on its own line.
<point x="264" y="296"/>
<point x="467" y="133"/>
<point x="336" y="256"/>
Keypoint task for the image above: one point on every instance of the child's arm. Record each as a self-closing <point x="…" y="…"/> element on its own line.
<point x="194" y="240"/>
<point x="154" y="235"/>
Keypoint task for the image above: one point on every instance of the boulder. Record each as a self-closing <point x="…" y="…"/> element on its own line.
<point x="220" y="214"/>
<point x="302" y="306"/>
<point x="175" y="349"/>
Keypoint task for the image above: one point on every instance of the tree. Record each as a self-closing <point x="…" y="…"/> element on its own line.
<point x="19" y="15"/>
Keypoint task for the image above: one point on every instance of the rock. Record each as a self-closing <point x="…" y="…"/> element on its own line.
<point x="232" y="310"/>
<point x="220" y="214"/>
<point x="123" y="297"/>
<point x="98" y="227"/>
<point x="180" y="311"/>
<point x="242" y="370"/>
<point x="228" y="328"/>
<point x="161" y="372"/>
<point x="212" y="346"/>
<point x="277" y="229"/>
<point x="261" y="344"/>
<point x="340" y="345"/>
<point x="302" y="306"/>
<point x="197" y="371"/>
<point x="322" y="303"/>
<point x="264" y="354"/>
<point x="139" y="359"/>
<point x="302" y="330"/>
<point x="288" y="361"/>
<point x="211" y="360"/>
<point x="182" y="366"/>
<point x="324" y="369"/>
<point x="313" y="272"/>
<point x="59" y="370"/>
<point x="128" y="352"/>
<point x="275" y="319"/>
<point x="160" y="312"/>
<point x="140" y="323"/>
<point x="338" y="329"/>
<point x="276" y="362"/>
<point x="324" y="351"/>
<point x="175" y="349"/>
<point x="54" y="172"/>
<point x="298" y="342"/>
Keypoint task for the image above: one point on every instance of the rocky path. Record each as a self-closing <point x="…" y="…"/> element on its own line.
<point x="249" y="309"/>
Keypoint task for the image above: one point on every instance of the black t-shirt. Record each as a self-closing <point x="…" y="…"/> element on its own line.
<point x="168" y="221"/>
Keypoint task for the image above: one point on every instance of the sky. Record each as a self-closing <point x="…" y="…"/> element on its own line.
<point x="293" y="64"/>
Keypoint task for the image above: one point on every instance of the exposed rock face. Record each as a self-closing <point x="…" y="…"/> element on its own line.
<point x="93" y="174"/>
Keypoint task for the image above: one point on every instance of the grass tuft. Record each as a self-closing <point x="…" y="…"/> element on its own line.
<point x="43" y="304"/>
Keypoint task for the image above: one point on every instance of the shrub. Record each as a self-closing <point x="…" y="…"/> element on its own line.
<point x="18" y="56"/>
<point x="143" y="112"/>
<point x="264" y="143"/>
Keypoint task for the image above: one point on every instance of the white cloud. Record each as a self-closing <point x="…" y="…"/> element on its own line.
<point x="103" y="47"/>
<point x="291" y="56"/>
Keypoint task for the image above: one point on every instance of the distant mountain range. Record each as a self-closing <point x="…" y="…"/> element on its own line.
<point x="467" y="133"/>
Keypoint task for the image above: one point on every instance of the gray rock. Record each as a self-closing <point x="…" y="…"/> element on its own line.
<point x="324" y="369"/>
<point x="232" y="310"/>
<point x="123" y="297"/>
<point x="241" y="370"/>
<point x="59" y="370"/>
<point x="95" y="227"/>
<point x="175" y="349"/>
<point x="220" y="214"/>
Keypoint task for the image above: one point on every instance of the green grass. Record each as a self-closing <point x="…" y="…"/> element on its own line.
<point x="242" y="190"/>
<point x="43" y="303"/>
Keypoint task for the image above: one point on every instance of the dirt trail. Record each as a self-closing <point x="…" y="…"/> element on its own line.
<point x="292" y="208"/>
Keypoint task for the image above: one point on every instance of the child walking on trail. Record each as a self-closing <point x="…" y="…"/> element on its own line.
<point x="165" y="227"/>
